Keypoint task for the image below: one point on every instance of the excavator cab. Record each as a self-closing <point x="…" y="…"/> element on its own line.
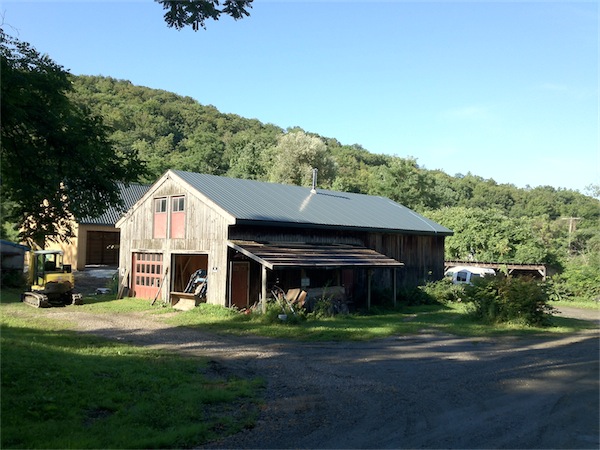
<point x="51" y="281"/>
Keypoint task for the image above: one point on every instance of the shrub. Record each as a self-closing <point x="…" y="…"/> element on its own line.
<point x="432" y="292"/>
<point x="509" y="299"/>
<point x="274" y="309"/>
<point x="13" y="278"/>
<point x="444" y="290"/>
<point x="415" y="296"/>
<point x="581" y="278"/>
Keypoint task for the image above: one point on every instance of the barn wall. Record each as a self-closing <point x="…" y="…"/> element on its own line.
<point x="205" y="232"/>
<point x="423" y="256"/>
<point x="287" y="234"/>
<point x="70" y="248"/>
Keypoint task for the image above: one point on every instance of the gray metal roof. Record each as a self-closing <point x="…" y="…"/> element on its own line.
<point x="130" y="194"/>
<point x="257" y="202"/>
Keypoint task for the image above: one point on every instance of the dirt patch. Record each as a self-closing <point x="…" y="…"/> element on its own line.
<point x="421" y="391"/>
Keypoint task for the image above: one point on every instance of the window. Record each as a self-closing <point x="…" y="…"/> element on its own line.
<point x="177" y="217"/>
<point x="160" y="205"/>
<point x="160" y="218"/>
<point x="178" y="204"/>
<point x="462" y="277"/>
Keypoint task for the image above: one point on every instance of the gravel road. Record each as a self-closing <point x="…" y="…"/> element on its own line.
<point x="419" y="391"/>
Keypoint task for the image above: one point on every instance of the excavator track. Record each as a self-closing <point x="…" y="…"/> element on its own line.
<point x="36" y="300"/>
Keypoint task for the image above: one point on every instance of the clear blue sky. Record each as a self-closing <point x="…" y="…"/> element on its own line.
<point x="505" y="90"/>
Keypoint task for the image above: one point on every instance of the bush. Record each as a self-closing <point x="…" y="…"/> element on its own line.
<point x="581" y="278"/>
<point x="432" y="292"/>
<point x="13" y="278"/>
<point x="444" y="291"/>
<point x="415" y="296"/>
<point x="274" y="309"/>
<point x="509" y="299"/>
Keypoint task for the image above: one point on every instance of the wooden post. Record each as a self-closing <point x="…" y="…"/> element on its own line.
<point x="263" y="292"/>
<point x="369" y="276"/>
<point x="394" y="284"/>
<point x="161" y="286"/>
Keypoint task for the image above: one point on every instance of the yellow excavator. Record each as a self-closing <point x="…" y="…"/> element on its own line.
<point x="51" y="281"/>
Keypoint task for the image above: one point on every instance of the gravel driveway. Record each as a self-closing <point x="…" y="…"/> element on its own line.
<point x="419" y="391"/>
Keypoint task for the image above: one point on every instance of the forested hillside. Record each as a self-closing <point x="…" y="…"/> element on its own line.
<point x="492" y="221"/>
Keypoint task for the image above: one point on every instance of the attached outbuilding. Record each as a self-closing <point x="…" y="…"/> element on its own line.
<point x="243" y="236"/>
<point x="96" y="239"/>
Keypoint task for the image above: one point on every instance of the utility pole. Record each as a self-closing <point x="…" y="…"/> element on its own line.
<point x="572" y="228"/>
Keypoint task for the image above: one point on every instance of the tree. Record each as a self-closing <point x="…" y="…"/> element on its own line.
<point x="295" y="155"/>
<point x="57" y="162"/>
<point x="404" y="182"/>
<point x="194" y="13"/>
<point x="489" y="235"/>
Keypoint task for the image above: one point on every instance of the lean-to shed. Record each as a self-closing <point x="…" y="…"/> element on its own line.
<point x="247" y="235"/>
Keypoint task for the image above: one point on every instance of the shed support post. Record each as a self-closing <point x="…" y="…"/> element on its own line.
<point x="263" y="291"/>
<point x="369" y="276"/>
<point x="394" y="285"/>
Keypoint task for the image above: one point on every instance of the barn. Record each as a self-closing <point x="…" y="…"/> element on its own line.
<point x="248" y="235"/>
<point x="96" y="240"/>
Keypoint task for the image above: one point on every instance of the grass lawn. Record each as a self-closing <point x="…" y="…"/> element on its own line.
<point x="450" y="318"/>
<point x="62" y="389"/>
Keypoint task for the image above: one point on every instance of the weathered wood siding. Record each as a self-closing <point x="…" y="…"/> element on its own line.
<point x="287" y="234"/>
<point x="205" y="232"/>
<point x="423" y="256"/>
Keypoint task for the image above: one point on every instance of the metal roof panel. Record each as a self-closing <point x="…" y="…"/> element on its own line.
<point x="130" y="194"/>
<point x="272" y="203"/>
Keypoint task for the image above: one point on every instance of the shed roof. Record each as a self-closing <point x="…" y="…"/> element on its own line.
<point x="12" y="248"/>
<point x="287" y="255"/>
<point x="256" y="202"/>
<point x="130" y="194"/>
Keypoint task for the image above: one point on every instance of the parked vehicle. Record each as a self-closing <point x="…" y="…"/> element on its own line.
<point x="466" y="274"/>
<point x="51" y="281"/>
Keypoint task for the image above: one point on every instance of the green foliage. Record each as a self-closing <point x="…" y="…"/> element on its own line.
<point x="443" y="291"/>
<point x="273" y="312"/>
<point x="181" y="14"/>
<point x="489" y="235"/>
<point x="12" y="279"/>
<point x="294" y="157"/>
<point x="509" y="299"/>
<point x="432" y="293"/>
<point x="56" y="160"/>
<point x="580" y="279"/>
<point x="401" y="180"/>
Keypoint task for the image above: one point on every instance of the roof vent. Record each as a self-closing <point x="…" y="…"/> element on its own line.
<point x="314" y="181"/>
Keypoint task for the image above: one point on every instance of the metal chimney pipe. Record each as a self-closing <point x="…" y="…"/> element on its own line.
<point x="314" y="181"/>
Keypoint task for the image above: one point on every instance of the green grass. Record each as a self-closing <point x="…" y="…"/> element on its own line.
<point x="451" y="318"/>
<point x="61" y="389"/>
<point x="578" y="303"/>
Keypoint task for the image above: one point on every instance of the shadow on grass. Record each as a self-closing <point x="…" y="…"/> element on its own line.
<point x="64" y="390"/>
